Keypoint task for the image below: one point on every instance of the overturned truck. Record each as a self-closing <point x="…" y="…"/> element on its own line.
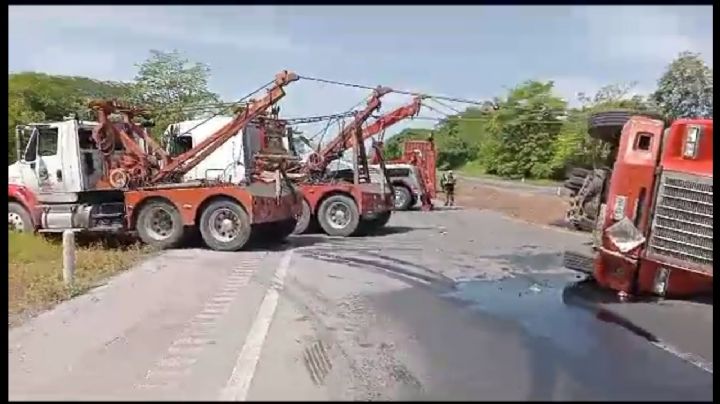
<point x="654" y="228"/>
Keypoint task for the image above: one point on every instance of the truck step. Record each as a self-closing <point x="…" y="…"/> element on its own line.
<point x="106" y="215"/>
<point x="58" y="230"/>
<point x="577" y="261"/>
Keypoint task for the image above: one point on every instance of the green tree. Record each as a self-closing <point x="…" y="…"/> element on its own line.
<point x="172" y="88"/>
<point x="526" y="126"/>
<point x="685" y="90"/>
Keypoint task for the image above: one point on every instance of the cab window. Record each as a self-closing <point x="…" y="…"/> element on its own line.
<point x="47" y="141"/>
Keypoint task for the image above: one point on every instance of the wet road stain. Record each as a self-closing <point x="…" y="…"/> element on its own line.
<point x="568" y="317"/>
<point x="536" y="304"/>
<point x="550" y="306"/>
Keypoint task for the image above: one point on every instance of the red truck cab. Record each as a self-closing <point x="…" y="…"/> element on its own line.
<point x="656" y="227"/>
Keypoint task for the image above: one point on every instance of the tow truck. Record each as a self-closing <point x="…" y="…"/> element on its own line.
<point x="108" y="176"/>
<point x="654" y="230"/>
<point x="345" y="202"/>
<point x="413" y="175"/>
<point x="341" y="203"/>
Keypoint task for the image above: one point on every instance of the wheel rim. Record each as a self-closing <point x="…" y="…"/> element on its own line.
<point x="399" y="198"/>
<point x="15" y="222"/>
<point x="160" y="224"/>
<point x="338" y="215"/>
<point x="224" y="225"/>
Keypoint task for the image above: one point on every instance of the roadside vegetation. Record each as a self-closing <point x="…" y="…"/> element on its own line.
<point x="35" y="270"/>
<point x="530" y="133"/>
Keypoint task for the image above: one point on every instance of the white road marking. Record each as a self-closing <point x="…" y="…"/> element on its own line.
<point x="237" y="387"/>
<point x="687" y="357"/>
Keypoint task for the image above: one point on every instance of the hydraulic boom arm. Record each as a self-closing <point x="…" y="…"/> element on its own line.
<point x="389" y="119"/>
<point x="186" y="161"/>
<point x="341" y="142"/>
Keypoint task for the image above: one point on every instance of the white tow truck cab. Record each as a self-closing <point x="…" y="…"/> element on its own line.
<point x="55" y="180"/>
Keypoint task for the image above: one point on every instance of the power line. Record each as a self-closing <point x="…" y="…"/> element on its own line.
<point x="452" y="118"/>
<point x="236" y="103"/>
<point x="365" y="87"/>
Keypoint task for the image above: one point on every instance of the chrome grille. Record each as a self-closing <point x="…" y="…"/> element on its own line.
<point x="682" y="227"/>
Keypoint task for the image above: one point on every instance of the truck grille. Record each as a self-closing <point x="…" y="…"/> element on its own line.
<point x="682" y="228"/>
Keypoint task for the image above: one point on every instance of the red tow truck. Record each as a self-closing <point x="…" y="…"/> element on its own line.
<point x="108" y="176"/>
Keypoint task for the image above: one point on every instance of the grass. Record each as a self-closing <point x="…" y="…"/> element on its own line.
<point x="35" y="270"/>
<point x="474" y="169"/>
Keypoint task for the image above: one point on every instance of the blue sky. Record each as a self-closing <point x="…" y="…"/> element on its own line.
<point x="473" y="52"/>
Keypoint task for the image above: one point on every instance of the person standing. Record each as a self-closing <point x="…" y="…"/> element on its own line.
<point x="447" y="182"/>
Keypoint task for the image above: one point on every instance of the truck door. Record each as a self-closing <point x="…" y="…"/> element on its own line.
<point x="42" y="163"/>
<point x="27" y="159"/>
<point x="49" y="164"/>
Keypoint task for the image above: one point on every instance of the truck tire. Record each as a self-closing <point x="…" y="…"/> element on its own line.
<point x="19" y="219"/>
<point x="160" y="225"/>
<point x="303" y="221"/>
<point x="275" y="232"/>
<point x="338" y="215"/>
<point x="284" y="229"/>
<point x="225" y="226"/>
<point x="403" y="198"/>
<point x="372" y="225"/>
<point x="607" y="125"/>
<point x="578" y="172"/>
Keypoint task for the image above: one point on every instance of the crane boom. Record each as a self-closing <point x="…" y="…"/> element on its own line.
<point x="339" y="144"/>
<point x="186" y="161"/>
<point x="389" y="119"/>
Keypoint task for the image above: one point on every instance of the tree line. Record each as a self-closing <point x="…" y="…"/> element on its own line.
<point x="171" y="88"/>
<point x="532" y="133"/>
<point x="527" y="133"/>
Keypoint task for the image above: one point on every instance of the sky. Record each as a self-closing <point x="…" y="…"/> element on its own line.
<point x="472" y="52"/>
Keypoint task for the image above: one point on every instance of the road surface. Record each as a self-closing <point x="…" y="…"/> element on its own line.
<point x="449" y="305"/>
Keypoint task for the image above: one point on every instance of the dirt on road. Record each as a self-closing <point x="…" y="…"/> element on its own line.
<point x="529" y="206"/>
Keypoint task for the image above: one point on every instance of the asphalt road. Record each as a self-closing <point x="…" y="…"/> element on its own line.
<point x="448" y="305"/>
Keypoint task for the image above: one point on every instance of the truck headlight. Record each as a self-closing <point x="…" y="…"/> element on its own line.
<point x="692" y="140"/>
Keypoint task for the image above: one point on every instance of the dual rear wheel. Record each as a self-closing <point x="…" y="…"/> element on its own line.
<point x="224" y="226"/>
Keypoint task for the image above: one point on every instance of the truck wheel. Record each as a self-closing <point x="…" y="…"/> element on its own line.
<point x="338" y="216"/>
<point x="225" y="226"/>
<point x="374" y="224"/>
<point x="160" y="225"/>
<point x="403" y="198"/>
<point x="607" y="125"/>
<point x="303" y="222"/>
<point x="19" y="219"/>
<point x="284" y="229"/>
